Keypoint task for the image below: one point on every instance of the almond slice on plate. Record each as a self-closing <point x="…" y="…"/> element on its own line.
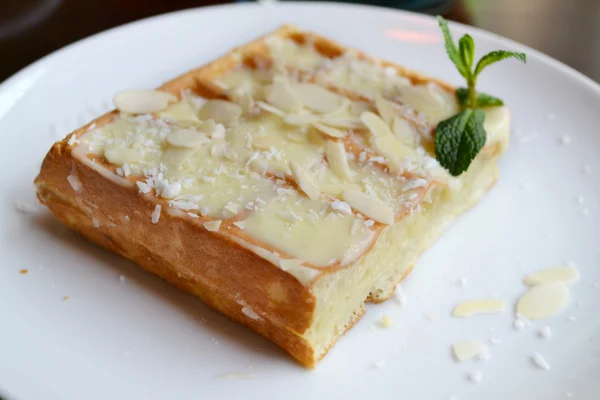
<point x="336" y="156"/>
<point x="370" y="206"/>
<point x="566" y="275"/>
<point x="479" y="306"/>
<point x="305" y="181"/>
<point x="220" y="111"/>
<point x="329" y="131"/>
<point x="142" y="101"/>
<point x="376" y="125"/>
<point x="468" y="350"/>
<point x="316" y="97"/>
<point x="543" y="301"/>
<point x="187" y="138"/>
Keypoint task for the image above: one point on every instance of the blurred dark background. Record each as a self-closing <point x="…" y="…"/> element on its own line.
<point x="568" y="30"/>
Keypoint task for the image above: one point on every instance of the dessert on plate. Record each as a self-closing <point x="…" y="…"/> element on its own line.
<point x="285" y="184"/>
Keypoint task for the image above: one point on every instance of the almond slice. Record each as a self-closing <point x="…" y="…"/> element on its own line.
<point x="340" y="188"/>
<point x="305" y="181"/>
<point x="376" y="125"/>
<point x="385" y="109"/>
<point x="265" y="142"/>
<point x="220" y="111"/>
<point x="476" y="307"/>
<point x="566" y="275"/>
<point x="242" y="98"/>
<point x="392" y="149"/>
<point x="259" y="165"/>
<point x="543" y="301"/>
<point x="468" y="350"/>
<point x="347" y="123"/>
<point x="342" y="110"/>
<point x="232" y="208"/>
<point x="305" y="119"/>
<point x="357" y="107"/>
<point x="336" y="156"/>
<point x="405" y="132"/>
<point x="270" y="108"/>
<point x="207" y="126"/>
<point x="316" y="97"/>
<point x="142" y="101"/>
<point x="329" y="131"/>
<point x="121" y="155"/>
<point x="213" y="226"/>
<point x="297" y="137"/>
<point x="370" y="206"/>
<point x="187" y="138"/>
<point x="281" y="95"/>
<point x="176" y="156"/>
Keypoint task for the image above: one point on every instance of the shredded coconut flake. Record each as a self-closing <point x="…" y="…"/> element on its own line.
<point x="565" y="139"/>
<point x="475" y="376"/>
<point x="75" y="182"/>
<point x="539" y="361"/>
<point x="250" y="313"/>
<point x="183" y="205"/>
<point x="143" y="187"/>
<point x="72" y="140"/>
<point x="496" y="340"/>
<point x="213" y="226"/>
<point x="386" y="321"/>
<point x="400" y="296"/>
<point x="25" y="208"/>
<point x="545" y="333"/>
<point x="341" y="206"/>
<point x="156" y="214"/>
<point x="239" y="224"/>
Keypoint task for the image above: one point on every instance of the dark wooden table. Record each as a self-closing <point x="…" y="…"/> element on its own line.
<point x="567" y="30"/>
<point x="30" y="29"/>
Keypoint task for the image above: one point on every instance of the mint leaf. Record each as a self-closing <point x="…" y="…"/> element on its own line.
<point x="496" y="56"/>
<point x="466" y="47"/>
<point x="483" y="99"/>
<point x="458" y="139"/>
<point x="451" y="49"/>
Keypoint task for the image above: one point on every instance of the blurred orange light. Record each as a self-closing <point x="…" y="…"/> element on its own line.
<point x="412" y="36"/>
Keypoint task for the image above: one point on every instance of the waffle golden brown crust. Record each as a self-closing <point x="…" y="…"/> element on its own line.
<point x="179" y="249"/>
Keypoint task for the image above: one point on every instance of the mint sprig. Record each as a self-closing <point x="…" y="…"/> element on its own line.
<point x="483" y="99"/>
<point x="459" y="139"/>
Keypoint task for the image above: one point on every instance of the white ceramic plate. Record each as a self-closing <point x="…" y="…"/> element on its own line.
<point x="143" y="339"/>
